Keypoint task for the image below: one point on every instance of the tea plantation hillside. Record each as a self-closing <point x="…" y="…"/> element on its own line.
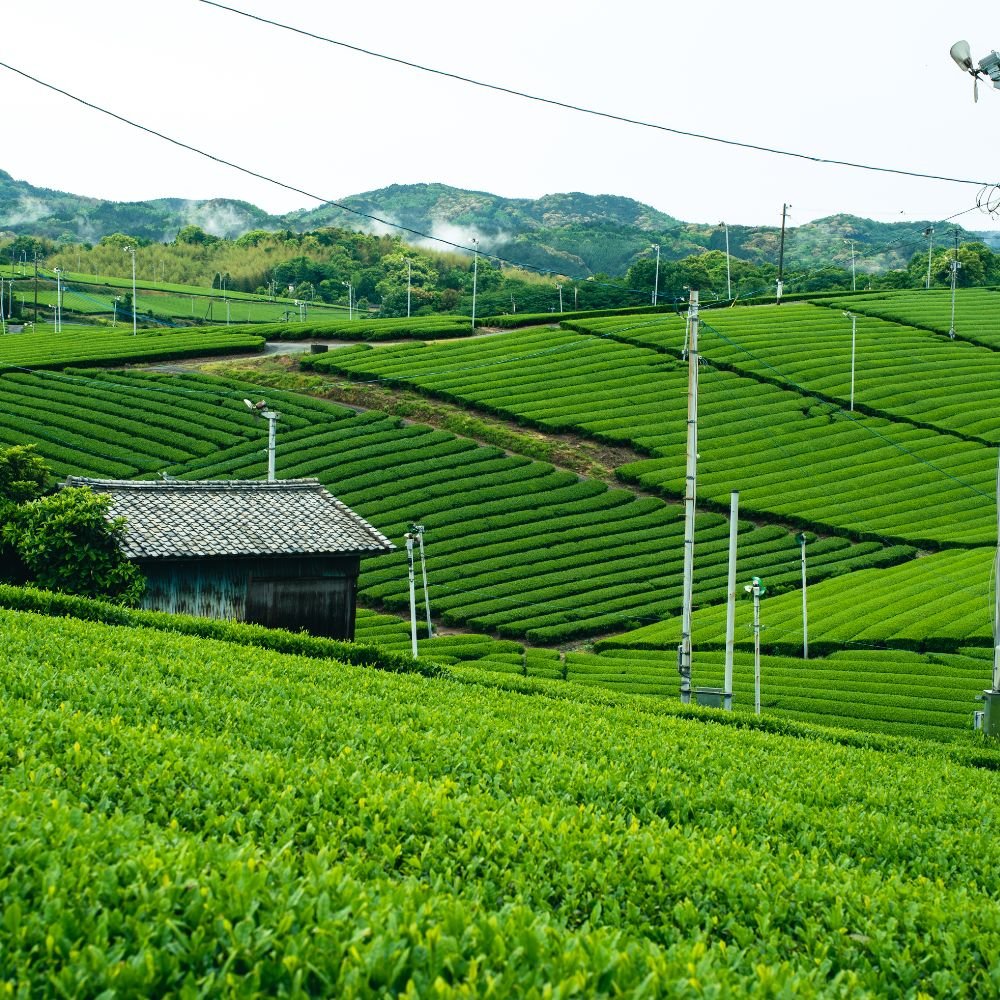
<point x="182" y="818"/>
<point x="794" y="455"/>
<point x="517" y="547"/>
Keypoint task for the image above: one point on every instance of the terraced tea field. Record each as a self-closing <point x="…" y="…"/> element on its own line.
<point x="791" y="456"/>
<point x="515" y="547"/>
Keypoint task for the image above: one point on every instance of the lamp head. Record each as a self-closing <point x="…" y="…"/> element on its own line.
<point x="962" y="56"/>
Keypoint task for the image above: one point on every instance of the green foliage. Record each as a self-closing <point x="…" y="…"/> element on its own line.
<point x="176" y="813"/>
<point x="67" y="543"/>
<point x="23" y="474"/>
<point x="367" y="654"/>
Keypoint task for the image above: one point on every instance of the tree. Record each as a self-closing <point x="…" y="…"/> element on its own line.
<point x="67" y="542"/>
<point x="24" y="475"/>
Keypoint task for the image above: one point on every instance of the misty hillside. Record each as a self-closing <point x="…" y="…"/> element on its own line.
<point x="566" y="233"/>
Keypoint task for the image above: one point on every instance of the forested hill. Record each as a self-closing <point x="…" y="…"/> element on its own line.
<point x="570" y="233"/>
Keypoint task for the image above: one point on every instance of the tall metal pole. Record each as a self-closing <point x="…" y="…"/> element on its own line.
<point x="413" y="594"/>
<point x="801" y="539"/>
<point x="58" y="312"/>
<point x="272" y="420"/>
<point x="729" y="277"/>
<point x="131" y="250"/>
<point x="781" y="253"/>
<point x="756" y="645"/>
<point x="690" y="482"/>
<point x="408" y="281"/>
<point x="929" y="233"/>
<point x="955" y="265"/>
<point x="3" y="322"/>
<point x="854" y="331"/>
<point x="727" y="689"/>
<point x="996" y="595"/>
<point x="854" y="282"/>
<point x="656" y="278"/>
<point x="35" y="319"/>
<point x="475" y="276"/>
<point x="560" y="297"/>
<point x="418" y="529"/>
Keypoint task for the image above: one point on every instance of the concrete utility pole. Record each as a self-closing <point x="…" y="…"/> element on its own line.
<point x="781" y="253"/>
<point x="656" y="279"/>
<point x="756" y="588"/>
<point x="417" y="530"/>
<point x="801" y="539"/>
<point x="131" y="250"/>
<point x="408" y="281"/>
<point x="734" y="527"/>
<point x="929" y="233"/>
<point x="260" y="409"/>
<point x="955" y="265"/>
<point x="475" y="276"/>
<point x="854" y="283"/>
<point x="729" y="278"/>
<point x="690" y="482"/>
<point x="854" y="332"/>
<point x="413" y="592"/>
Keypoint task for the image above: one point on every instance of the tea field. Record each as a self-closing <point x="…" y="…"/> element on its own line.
<point x="790" y="455"/>
<point x="515" y="547"/>
<point x="181" y="818"/>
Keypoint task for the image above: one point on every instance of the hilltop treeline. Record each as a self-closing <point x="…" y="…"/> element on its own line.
<point x="382" y="272"/>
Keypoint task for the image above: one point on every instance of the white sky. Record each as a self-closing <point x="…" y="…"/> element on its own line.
<point x="866" y="81"/>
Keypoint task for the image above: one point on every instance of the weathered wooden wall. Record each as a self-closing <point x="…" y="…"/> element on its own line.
<point x="314" y="593"/>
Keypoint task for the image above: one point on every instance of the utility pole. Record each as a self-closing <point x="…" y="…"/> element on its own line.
<point x="854" y="282"/>
<point x="408" y="280"/>
<point x="131" y="250"/>
<point x="781" y="253"/>
<point x="413" y="592"/>
<point x="955" y="265"/>
<point x="690" y="480"/>
<point x="35" y="320"/>
<point x="756" y="588"/>
<point x="560" y="297"/>
<point x="929" y="233"/>
<point x="58" y="313"/>
<point x="734" y="527"/>
<point x="475" y="275"/>
<point x="656" y="279"/>
<point x="729" y="278"/>
<point x="417" y="530"/>
<point x="854" y="331"/>
<point x="801" y="539"/>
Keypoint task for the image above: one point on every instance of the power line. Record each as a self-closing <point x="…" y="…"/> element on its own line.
<point x="591" y="111"/>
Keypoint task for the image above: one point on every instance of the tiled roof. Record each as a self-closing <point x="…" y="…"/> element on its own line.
<point x="181" y="519"/>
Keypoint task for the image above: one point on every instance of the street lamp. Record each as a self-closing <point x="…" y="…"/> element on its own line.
<point x="988" y="66"/>
<point x="131" y="250"/>
<point x="656" y="277"/>
<point x="729" y="280"/>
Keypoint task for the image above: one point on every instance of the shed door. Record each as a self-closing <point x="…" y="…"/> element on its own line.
<point x="321" y="605"/>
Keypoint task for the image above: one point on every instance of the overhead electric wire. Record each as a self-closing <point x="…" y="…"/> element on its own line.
<point x="569" y="106"/>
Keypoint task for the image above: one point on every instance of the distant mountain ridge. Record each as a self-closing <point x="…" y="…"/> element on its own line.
<point x="566" y="233"/>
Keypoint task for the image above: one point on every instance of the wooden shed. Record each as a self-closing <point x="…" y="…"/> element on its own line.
<point x="285" y="554"/>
